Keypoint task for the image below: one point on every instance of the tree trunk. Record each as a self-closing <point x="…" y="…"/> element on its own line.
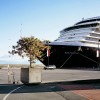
<point x="30" y="61"/>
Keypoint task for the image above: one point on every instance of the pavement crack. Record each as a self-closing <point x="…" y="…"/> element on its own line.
<point x="59" y="91"/>
<point x="62" y="95"/>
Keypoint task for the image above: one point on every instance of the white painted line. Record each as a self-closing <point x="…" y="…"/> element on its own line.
<point x="12" y="92"/>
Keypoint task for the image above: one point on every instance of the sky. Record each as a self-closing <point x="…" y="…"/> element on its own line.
<point x="42" y="19"/>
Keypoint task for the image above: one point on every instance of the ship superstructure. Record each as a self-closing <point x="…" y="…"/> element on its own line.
<point x="84" y="33"/>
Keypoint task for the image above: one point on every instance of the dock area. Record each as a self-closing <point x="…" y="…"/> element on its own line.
<point x="57" y="84"/>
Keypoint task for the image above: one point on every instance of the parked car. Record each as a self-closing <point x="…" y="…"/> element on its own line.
<point x="50" y="67"/>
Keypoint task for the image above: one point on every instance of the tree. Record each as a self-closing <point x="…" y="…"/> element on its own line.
<point x="30" y="47"/>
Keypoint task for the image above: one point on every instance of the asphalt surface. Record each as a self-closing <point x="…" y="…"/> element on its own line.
<point x="56" y="84"/>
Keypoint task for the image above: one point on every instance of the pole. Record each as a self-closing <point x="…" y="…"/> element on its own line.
<point x="13" y="77"/>
<point x="8" y="74"/>
<point x="98" y="54"/>
<point x="48" y="60"/>
<point x="48" y="53"/>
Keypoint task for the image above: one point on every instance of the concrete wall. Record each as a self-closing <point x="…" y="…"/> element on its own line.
<point x="31" y="75"/>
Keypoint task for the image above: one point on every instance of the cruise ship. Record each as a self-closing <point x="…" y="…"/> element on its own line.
<point x="77" y="46"/>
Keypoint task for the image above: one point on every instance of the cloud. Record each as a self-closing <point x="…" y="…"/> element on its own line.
<point x="7" y="58"/>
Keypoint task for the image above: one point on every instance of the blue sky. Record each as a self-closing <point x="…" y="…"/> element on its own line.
<point x="40" y="18"/>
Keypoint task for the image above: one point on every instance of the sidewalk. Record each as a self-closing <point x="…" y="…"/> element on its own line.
<point x="80" y="91"/>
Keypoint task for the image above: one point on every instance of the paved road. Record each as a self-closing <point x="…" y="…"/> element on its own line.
<point x="56" y="85"/>
<point x="69" y="75"/>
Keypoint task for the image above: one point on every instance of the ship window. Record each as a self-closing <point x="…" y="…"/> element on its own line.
<point x="96" y="35"/>
<point x="81" y="26"/>
<point x="70" y="37"/>
<point x="87" y="21"/>
<point x="91" y="39"/>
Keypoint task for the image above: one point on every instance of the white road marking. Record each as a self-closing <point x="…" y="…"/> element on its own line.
<point x="12" y="92"/>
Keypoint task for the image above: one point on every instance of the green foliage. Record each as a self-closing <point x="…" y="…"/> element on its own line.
<point x="30" y="47"/>
<point x="46" y="41"/>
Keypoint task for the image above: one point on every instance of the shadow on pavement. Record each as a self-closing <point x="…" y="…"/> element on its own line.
<point x="52" y="86"/>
